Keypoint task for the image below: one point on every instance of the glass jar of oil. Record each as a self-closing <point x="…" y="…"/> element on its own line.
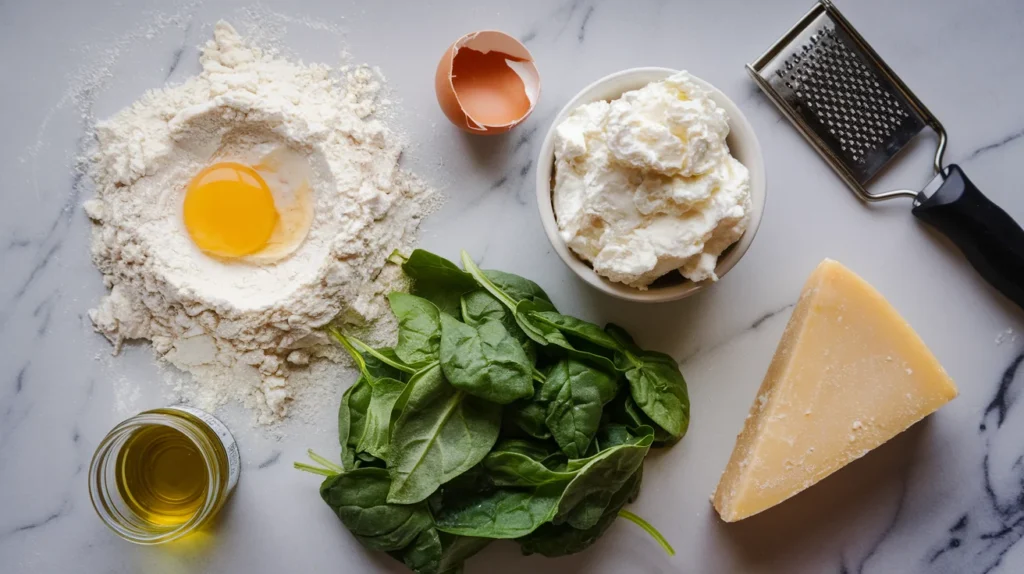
<point x="163" y="474"/>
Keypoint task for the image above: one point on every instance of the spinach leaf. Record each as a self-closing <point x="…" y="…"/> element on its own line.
<point x="539" y="451"/>
<point x="438" y="280"/>
<point x="423" y="556"/>
<point x="572" y="326"/>
<point x="366" y="460"/>
<point x="507" y="288"/>
<point x="655" y="383"/>
<point x="528" y="315"/>
<point x="457" y="549"/>
<point x="480" y="306"/>
<point x="436" y="552"/>
<point x="589" y="494"/>
<point x="512" y="466"/>
<point x="529" y="414"/>
<point x="377" y="424"/>
<point x="576" y="394"/>
<point x="501" y="513"/>
<point x="419" y="329"/>
<point x="375" y="363"/>
<point x="441" y="433"/>
<point x="612" y="435"/>
<point x="485" y="361"/>
<point x="561" y="540"/>
<point x="518" y="288"/>
<point x="642" y="436"/>
<point x="359" y="497"/>
<point x="355" y="401"/>
<point x="625" y="411"/>
<point x="379" y="369"/>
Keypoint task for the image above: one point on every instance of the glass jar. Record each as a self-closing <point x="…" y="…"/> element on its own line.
<point x="163" y="474"/>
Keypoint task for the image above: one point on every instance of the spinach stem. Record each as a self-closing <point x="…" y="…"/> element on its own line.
<point x="649" y="530"/>
<point x="313" y="469"/>
<point x="539" y="376"/>
<point x="397" y="258"/>
<point x="324" y="462"/>
<point x="356" y="356"/>
<point x="381" y="357"/>
<point x="486" y="283"/>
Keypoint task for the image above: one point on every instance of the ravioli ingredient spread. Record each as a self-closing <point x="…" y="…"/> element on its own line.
<point x="645" y="184"/>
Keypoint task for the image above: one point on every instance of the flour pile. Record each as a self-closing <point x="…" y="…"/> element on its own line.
<point x="250" y="331"/>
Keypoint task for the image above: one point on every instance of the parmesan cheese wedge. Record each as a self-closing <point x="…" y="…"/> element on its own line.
<point x="848" y="375"/>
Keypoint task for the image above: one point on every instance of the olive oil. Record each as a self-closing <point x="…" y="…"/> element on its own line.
<point x="163" y="475"/>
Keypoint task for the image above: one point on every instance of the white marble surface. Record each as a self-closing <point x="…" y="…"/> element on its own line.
<point x="947" y="496"/>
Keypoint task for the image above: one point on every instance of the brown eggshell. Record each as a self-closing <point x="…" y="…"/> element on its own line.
<point x="499" y="83"/>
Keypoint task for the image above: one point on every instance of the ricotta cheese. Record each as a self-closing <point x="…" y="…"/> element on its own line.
<point x="645" y="184"/>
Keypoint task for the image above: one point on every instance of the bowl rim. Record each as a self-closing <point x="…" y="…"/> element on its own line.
<point x="739" y="127"/>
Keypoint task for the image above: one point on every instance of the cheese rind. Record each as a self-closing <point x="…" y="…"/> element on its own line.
<point x="848" y="375"/>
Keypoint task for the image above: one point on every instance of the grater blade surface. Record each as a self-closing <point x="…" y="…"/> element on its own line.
<point x="839" y="97"/>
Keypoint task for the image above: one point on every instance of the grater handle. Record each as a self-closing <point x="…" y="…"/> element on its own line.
<point x="992" y="241"/>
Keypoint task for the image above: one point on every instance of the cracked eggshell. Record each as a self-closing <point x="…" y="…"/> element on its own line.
<point x="487" y="82"/>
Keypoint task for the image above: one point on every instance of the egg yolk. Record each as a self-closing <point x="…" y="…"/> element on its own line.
<point x="229" y="210"/>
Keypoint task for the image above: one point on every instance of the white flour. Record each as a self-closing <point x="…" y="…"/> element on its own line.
<point x="245" y="331"/>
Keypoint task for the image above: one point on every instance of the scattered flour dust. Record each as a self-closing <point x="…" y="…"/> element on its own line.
<point x="244" y="331"/>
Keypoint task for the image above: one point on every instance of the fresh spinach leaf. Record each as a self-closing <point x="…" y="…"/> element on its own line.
<point x="457" y="549"/>
<point x="509" y="289"/>
<point x="366" y="460"/>
<point x="518" y="288"/>
<point x="575" y="394"/>
<point x="379" y="369"/>
<point x="589" y="494"/>
<point x="438" y="280"/>
<point x="625" y="411"/>
<point x="571" y="326"/>
<point x="501" y="513"/>
<point x="528" y="414"/>
<point x="441" y="433"/>
<point x="642" y="436"/>
<point x="419" y="329"/>
<point x="536" y="450"/>
<point x="511" y="466"/>
<point x="655" y="383"/>
<point x="561" y="540"/>
<point x="436" y="552"/>
<point x="423" y="556"/>
<point x="545" y="333"/>
<point x="480" y="306"/>
<point x="485" y="361"/>
<point x="376" y="433"/>
<point x="359" y="497"/>
<point x="355" y="401"/>
<point x="612" y="435"/>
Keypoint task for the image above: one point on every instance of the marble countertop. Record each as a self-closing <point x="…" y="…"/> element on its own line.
<point x="946" y="496"/>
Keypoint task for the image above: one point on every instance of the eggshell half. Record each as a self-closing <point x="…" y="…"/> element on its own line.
<point x="487" y="82"/>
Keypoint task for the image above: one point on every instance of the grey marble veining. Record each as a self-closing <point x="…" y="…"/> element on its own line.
<point x="947" y="496"/>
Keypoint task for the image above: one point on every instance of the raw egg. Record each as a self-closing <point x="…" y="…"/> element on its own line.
<point x="258" y="213"/>
<point x="487" y="82"/>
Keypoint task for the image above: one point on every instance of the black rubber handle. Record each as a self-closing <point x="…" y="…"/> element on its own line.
<point x="991" y="239"/>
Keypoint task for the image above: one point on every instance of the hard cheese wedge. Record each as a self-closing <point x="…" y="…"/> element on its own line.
<point x="848" y="375"/>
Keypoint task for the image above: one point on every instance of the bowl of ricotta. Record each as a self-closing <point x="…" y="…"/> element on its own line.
<point x="651" y="184"/>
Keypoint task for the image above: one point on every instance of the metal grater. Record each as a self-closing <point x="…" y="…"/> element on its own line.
<point x="858" y="114"/>
<point x="843" y="98"/>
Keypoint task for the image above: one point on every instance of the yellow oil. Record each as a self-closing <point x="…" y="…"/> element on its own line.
<point x="162" y="476"/>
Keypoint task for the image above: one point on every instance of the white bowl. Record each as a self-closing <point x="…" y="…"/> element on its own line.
<point x="742" y="143"/>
